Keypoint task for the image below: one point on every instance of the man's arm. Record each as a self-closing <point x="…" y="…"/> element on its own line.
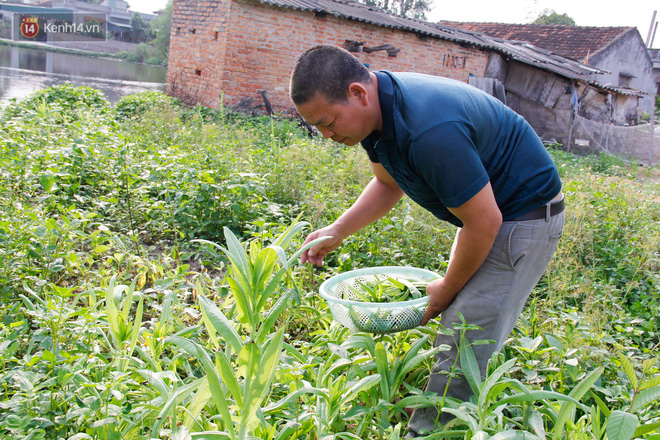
<point x="379" y="196"/>
<point x="481" y="219"/>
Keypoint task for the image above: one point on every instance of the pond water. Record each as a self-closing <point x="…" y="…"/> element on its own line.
<point x="25" y="70"/>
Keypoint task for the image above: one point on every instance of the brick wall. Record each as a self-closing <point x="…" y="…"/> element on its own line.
<point x="240" y="47"/>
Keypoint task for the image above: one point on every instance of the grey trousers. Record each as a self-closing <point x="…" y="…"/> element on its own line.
<point x="493" y="300"/>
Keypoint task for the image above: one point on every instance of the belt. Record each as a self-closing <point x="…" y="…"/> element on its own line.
<point x="546" y="211"/>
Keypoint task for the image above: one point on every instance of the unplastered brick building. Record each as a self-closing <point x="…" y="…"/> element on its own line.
<point x="233" y="50"/>
<point x="239" y="54"/>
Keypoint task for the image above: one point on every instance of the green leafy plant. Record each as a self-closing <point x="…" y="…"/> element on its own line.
<point x="114" y="324"/>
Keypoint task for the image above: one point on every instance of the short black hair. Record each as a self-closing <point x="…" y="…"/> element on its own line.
<point x="328" y="70"/>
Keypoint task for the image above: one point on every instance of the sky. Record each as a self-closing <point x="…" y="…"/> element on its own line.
<point x="585" y="12"/>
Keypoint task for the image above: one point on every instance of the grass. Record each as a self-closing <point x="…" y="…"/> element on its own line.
<point x="119" y="320"/>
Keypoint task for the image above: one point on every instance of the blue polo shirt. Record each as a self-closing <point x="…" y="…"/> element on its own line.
<point x="443" y="141"/>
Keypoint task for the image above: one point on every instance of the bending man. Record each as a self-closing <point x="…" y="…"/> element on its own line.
<point x="465" y="157"/>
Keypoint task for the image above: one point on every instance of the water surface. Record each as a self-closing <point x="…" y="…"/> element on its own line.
<point x="25" y="70"/>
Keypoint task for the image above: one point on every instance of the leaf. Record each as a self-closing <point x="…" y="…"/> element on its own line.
<point x="136" y="326"/>
<point x="650" y="382"/>
<point x="272" y="316"/>
<point x="112" y="312"/>
<point x="382" y="368"/>
<point x="629" y="370"/>
<point x="363" y="384"/>
<point x="312" y="243"/>
<point x="645" y="397"/>
<point x="47" y="181"/>
<point x="470" y="369"/>
<point x="214" y="316"/>
<point x="648" y="364"/>
<point x="462" y="415"/>
<point x="535" y="396"/>
<point x="647" y="428"/>
<point x="270" y="289"/>
<point x="289" y="431"/>
<point x="576" y="393"/>
<point x="263" y="268"/>
<point x="172" y="401"/>
<point x="156" y="381"/>
<point x="360" y="341"/>
<point x="237" y="255"/>
<point x="281" y="255"/>
<point x="217" y="394"/>
<point x="505" y="435"/>
<point x="286" y="236"/>
<point x="621" y="425"/>
<point x="182" y="433"/>
<point x="197" y="404"/>
<point x="294" y="396"/>
<point x="211" y="435"/>
<point x="554" y="342"/>
<point x="101" y="248"/>
<point x="80" y="436"/>
<point x="491" y="380"/>
<point x="128" y="302"/>
<point x="228" y="376"/>
<point x="536" y="423"/>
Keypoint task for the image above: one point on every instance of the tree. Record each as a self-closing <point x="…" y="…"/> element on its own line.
<point x="140" y="29"/>
<point x="161" y="26"/>
<point x="550" y="16"/>
<point x="415" y="9"/>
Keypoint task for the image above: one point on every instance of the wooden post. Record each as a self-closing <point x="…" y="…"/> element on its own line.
<point x="570" y="129"/>
<point x="652" y="133"/>
<point x="269" y="107"/>
<point x="571" y="120"/>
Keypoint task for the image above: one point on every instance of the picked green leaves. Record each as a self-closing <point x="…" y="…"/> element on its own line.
<point x="386" y="290"/>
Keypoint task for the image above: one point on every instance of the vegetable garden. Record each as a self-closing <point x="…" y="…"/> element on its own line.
<point x="151" y="289"/>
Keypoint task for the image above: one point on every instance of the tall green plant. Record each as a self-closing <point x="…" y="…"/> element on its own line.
<point x="246" y="358"/>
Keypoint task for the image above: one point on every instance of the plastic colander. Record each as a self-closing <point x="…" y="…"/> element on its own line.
<point x="357" y="315"/>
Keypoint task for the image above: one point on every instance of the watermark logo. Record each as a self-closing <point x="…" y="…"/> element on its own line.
<point x="60" y="26"/>
<point x="30" y="27"/>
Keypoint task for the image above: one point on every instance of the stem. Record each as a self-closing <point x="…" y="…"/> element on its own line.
<point x="128" y="202"/>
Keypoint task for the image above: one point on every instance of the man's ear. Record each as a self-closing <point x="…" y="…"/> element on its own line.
<point x="358" y="91"/>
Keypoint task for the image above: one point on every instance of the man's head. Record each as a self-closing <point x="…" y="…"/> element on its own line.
<point x="335" y="92"/>
<point x="327" y="70"/>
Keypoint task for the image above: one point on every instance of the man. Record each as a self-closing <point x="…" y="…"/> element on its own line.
<point x="465" y="157"/>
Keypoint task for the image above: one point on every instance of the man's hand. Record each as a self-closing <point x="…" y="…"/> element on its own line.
<point x="315" y="254"/>
<point x="440" y="297"/>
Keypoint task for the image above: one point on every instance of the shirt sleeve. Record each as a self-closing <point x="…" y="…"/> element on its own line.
<point x="447" y="159"/>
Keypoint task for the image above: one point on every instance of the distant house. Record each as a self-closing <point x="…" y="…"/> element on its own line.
<point x="618" y="50"/>
<point x="117" y="12"/>
<point x="655" y="57"/>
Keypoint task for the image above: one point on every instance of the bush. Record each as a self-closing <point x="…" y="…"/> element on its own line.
<point x="66" y="99"/>
<point x="138" y="104"/>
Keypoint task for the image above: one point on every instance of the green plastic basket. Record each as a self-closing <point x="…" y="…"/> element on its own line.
<point x="350" y="311"/>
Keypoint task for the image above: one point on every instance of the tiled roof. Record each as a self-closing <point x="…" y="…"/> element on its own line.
<point x="518" y="50"/>
<point x="575" y="42"/>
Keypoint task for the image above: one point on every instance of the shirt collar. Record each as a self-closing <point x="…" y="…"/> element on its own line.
<point x="386" y="98"/>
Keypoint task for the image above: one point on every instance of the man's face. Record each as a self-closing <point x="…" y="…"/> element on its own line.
<point x="343" y="122"/>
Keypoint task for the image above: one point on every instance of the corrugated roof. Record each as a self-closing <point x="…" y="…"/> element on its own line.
<point x="352" y="10"/>
<point x="521" y="51"/>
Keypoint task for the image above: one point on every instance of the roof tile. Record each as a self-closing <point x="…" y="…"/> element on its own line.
<point x="577" y="42"/>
